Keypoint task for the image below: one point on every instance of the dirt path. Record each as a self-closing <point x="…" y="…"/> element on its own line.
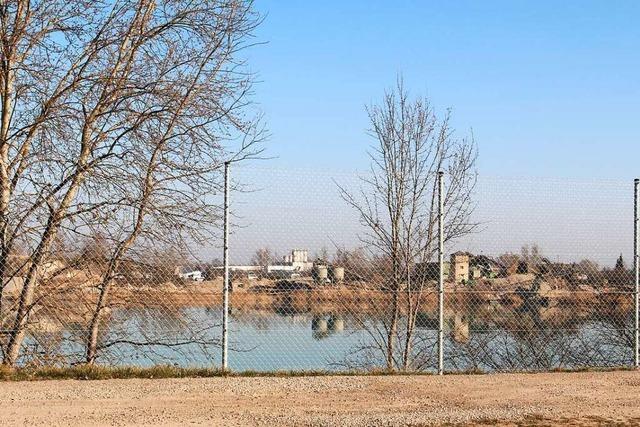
<point x="577" y="398"/>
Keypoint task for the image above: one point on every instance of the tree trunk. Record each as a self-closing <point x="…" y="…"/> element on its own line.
<point x="5" y="182"/>
<point x="393" y="329"/>
<point x="94" y="325"/>
<point x="16" y="336"/>
<point x="395" y="307"/>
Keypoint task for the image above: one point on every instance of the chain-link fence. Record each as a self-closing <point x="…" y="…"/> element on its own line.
<point x="534" y="274"/>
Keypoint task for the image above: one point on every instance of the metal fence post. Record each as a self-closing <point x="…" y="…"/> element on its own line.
<point x="225" y="257"/>
<point x="441" y="274"/>
<point x="636" y="270"/>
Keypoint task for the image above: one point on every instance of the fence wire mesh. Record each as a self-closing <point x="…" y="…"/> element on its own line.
<point x="538" y="275"/>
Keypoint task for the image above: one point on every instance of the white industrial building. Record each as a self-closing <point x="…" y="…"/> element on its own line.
<point x="297" y="261"/>
<point x="194" y="275"/>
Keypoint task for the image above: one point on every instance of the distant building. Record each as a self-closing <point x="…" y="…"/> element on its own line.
<point x="291" y="266"/>
<point x="523" y="266"/>
<point x="237" y="271"/>
<point x="245" y="268"/>
<point x="298" y="259"/>
<point x="461" y="268"/>
<point x="188" y="274"/>
<point x="459" y="271"/>
<point x="281" y="267"/>
<point x="431" y="270"/>
<point x="482" y="266"/>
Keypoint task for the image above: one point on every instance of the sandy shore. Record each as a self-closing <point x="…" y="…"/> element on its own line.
<point x="527" y="399"/>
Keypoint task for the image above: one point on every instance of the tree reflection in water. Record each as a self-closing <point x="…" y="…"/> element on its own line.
<point x="479" y="337"/>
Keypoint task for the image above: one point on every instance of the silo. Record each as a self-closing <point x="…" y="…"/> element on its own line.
<point x="337" y="274"/>
<point x="336" y="324"/>
<point x="320" y="273"/>
<point x="319" y="324"/>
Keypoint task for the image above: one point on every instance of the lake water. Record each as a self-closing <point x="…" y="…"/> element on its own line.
<point x="488" y="339"/>
<point x="260" y="341"/>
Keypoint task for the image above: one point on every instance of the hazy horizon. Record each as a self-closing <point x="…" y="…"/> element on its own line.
<point x="570" y="220"/>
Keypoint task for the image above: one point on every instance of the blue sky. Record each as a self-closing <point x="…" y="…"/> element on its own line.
<point x="550" y="88"/>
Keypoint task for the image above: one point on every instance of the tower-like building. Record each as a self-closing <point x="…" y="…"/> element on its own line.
<point x="459" y="270"/>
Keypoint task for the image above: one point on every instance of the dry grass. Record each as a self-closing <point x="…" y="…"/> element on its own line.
<point x="89" y="372"/>
<point x="97" y="372"/>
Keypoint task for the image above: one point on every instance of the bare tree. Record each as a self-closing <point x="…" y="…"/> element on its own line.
<point x="355" y="262"/>
<point x="397" y="204"/>
<point x="116" y="116"/>
<point x="531" y="254"/>
<point x="322" y="256"/>
<point x="263" y="257"/>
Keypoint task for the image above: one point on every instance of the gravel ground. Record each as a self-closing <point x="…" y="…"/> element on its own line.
<point x="509" y="399"/>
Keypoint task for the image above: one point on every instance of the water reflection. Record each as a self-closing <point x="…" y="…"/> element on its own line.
<point x="323" y="326"/>
<point x="460" y="328"/>
<point x="294" y="335"/>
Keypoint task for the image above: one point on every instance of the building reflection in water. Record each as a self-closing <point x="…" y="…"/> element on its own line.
<point x="460" y="328"/>
<point x="324" y="325"/>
